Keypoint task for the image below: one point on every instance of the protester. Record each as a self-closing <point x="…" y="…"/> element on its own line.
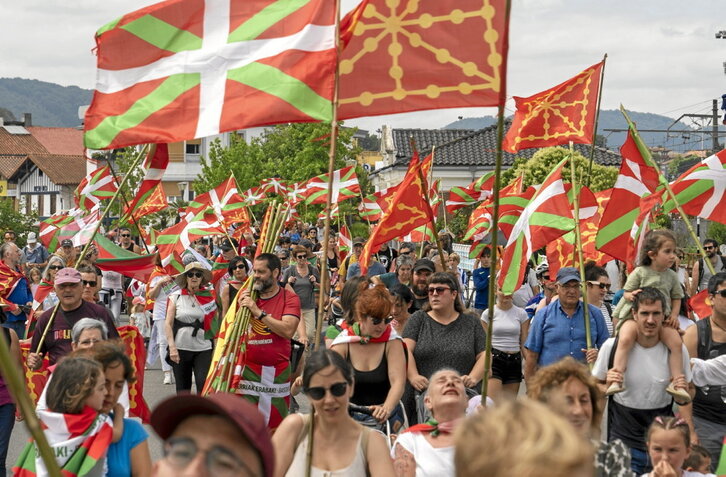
<point x="139" y="317"/>
<point x="558" y="330"/>
<point x="427" y="449"/>
<point x="57" y="342"/>
<point x="511" y="325"/>
<point x="669" y="443"/>
<point x="569" y="389"/>
<point x="35" y="255"/>
<point x="9" y="236"/>
<point x="328" y="383"/>
<point x="402" y="300"/>
<point x="216" y="436"/>
<point x="422" y="271"/>
<point x="656" y="259"/>
<point x="348" y="297"/>
<point x="161" y="285"/>
<point x="402" y="275"/>
<point x="375" y="268"/>
<point x="303" y="280"/>
<point x="34" y="278"/>
<point x="387" y="256"/>
<point x="707" y="340"/>
<point x="701" y="272"/>
<point x="112" y="292"/>
<point x="699" y="460"/>
<point x="237" y="270"/>
<point x="548" y="293"/>
<point x="276" y="315"/>
<point x="480" y="275"/>
<point x="7" y="404"/>
<point x="528" y="288"/>
<point x="126" y="241"/>
<point x="67" y="252"/>
<point x="357" y="243"/>
<point x="187" y="320"/>
<point x="646" y="379"/>
<point x="376" y="354"/>
<point x="598" y="286"/>
<point x="453" y="262"/>
<point x="91" y="284"/>
<point x="442" y="335"/>
<point x="520" y="438"/>
<point x="15" y="288"/>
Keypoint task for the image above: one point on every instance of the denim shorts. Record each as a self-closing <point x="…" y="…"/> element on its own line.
<point x="506" y="367"/>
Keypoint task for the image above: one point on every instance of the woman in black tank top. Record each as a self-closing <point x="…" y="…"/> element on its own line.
<point x="237" y="271"/>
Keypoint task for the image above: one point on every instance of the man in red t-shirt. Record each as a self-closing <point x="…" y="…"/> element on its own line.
<point x="276" y="313"/>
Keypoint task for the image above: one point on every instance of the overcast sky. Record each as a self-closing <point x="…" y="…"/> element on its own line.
<point x="663" y="56"/>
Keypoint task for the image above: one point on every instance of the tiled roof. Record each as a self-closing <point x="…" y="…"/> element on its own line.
<point x="424" y="138"/>
<point x="9" y="165"/>
<point x="60" y="169"/>
<point x="63" y="141"/>
<point x="19" y="144"/>
<point x="478" y="148"/>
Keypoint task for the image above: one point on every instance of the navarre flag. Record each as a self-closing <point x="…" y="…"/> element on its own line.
<point x="345" y="186"/>
<point x="559" y="115"/>
<point x="638" y="179"/>
<point x="477" y="191"/>
<point x="546" y="217"/>
<point x="700" y="304"/>
<point x="412" y="56"/>
<point x="136" y="350"/>
<point x="700" y="190"/>
<point x="150" y="191"/>
<point x="184" y="69"/>
<point x="409" y="208"/>
<point x="96" y="186"/>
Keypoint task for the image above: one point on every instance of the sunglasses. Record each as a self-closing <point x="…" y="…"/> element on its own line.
<point x="438" y="290"/>
<point x="55" y="267"/>
<point x="708" y="247"/>
<point x="126" y="235"/>
<point x="603" y="286"/>
<point x="317" y="393"/>
<point x="378" y="321"/>
<point x="89" y="283"/>
<point x="195" y="274"/>
<point x="301" y="257"/>
<point x="240" y="267"/>
<point x="721" y="292"/>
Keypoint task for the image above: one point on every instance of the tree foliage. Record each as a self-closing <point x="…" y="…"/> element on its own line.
<point x="19" y="223"/>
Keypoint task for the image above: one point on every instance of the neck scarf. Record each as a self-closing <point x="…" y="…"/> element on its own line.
<point x="434" y="427"/>
<point x="206" y="299"/>
<point x="352" y="334"/>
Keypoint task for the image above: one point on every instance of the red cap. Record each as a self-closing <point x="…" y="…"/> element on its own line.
<point x="240" y="412"/>
<point x="67" y="275"/>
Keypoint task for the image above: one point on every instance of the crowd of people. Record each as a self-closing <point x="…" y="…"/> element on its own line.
<point x="623" y="381"/>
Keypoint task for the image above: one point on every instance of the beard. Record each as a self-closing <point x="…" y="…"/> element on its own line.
<point x="421" y="290"/>
<point x="263" y="285"/>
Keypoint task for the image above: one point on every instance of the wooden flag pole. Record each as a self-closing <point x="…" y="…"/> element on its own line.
<point x="85" y="248"/>
<point x="363" y="203"/>
<point x="152" y="150"/>
<point x="686" y="219"/>
<point x="597" y="116"/>
<point x="495" y="212"/>
<point x="578" y="248"/>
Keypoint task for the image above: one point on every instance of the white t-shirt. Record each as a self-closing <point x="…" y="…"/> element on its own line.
<point x="162" y="298"/>
<point x="507" y="327"/>
<point x="684" y="322"/>
<point x="112" y="280"/>
<point x="686" y="473"/>
<point x="647" y="375"/>
<point x="526" y="291"/>
<point x="430" y="461"/>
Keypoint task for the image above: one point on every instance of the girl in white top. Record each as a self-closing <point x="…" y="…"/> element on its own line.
<point x="511" y="326"/>
<point x="669" y="443"/>
<point x="341" y="447"/>
<point x="428" y="449"/>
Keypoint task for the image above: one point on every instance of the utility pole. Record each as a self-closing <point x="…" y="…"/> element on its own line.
<point x="714" y="127"/>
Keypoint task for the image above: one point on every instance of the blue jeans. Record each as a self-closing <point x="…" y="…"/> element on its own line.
<point x="640" y="461"/>
<point x="7" y="421"/>
<point x="17" y="326"/>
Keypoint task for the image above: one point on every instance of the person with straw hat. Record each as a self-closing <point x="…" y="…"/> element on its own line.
<point x="188" y="323"/>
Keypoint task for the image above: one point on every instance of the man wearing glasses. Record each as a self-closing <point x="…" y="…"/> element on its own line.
<point x="707" y="340"/>
<point x="126" y="241"/>
<point x="69" y="288"/>
<point x="701" y="272"/>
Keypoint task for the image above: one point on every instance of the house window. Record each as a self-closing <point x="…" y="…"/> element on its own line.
<point x="192" y="148"/>
<point x="40" y="173"/>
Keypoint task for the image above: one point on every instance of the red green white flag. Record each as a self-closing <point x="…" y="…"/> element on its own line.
<point x="173" y="241"/>
<point x="118" y="259"/>
<point x="273" y="185"/>
<point x="184" y="69"/>
<point x="369" y="208"/>
<point x="701" y="190"/>
<point x="345" y="186"/>
<point x="96" y="186"/>
<point x="228" y="206"/>
<point x="253" y="196"/>
<point x="479" y="190"/>
<point x="155" y="165"/>
<point x="345" y="242"/>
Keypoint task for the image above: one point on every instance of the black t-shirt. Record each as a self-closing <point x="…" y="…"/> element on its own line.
<point x="387" y="257"/>
<point x="58" y="340"/>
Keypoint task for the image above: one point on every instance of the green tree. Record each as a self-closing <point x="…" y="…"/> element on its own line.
<point x="19" y="223"/>
<point x="371" y="142"/>
<point x="717" y="231"/>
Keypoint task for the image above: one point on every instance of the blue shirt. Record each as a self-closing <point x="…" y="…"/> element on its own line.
<point x="20" y="296"/>
<point x="118" y="458"/>
<point x="481" y="283"/>
<point x="375" y="268"/>
<point x="554" y="335"/>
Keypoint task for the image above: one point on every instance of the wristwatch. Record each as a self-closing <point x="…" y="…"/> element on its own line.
<point x="263" y="314"/>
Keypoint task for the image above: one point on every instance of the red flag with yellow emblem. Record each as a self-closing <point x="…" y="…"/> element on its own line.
<point x="558" y="115"/>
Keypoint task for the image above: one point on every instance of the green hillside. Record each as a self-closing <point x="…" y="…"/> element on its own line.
<point x="49" y="103"/>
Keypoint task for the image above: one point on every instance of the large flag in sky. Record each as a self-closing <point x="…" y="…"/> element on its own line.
<point x="411" y="56"/>
<point x="701" y="190"/>
<point x="96" y="186"/>
<point x="546" y="217"/>
<point x="150" y="190"/>
<point x="558" y="115"/>
<point x="184" y="69"/>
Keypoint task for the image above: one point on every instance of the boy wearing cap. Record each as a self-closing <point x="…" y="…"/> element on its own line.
<point x="67" y="252"/>
<point x="34" y="254"/>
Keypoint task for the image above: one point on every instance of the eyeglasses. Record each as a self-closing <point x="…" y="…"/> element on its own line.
<point x="91" y="341"/>
<point x="720" y="292"/>
<point x="378" y="321"/>
<point x="87" y="283"/>
<point x="195" y="274"/>
<point x="301" y="257"/>
<point x="317" y="393"/>
<point x="126" y="235"/>
<point x="603" y="286"/>
<point x="240" y="267"/>
<point x="438" y="290"/>
<point x="55" y="267"/>
<point x="181" y="451"/>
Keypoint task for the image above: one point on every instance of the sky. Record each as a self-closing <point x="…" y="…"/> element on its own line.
<point x="663" y="56"/>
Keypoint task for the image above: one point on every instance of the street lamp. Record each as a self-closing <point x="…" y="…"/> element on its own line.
<point x="183" y="189"/>
<point x="721" y="34"/>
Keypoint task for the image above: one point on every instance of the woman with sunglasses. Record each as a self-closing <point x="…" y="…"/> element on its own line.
<point x="441" y="335"/>
<point x="598" y="286"/>
<point x="55" y="263"/>
<point x="302" y="279"/>
<point x="340" y="446"/>
<point x="188" y="315"/>
<point x="237" y="270"/>
<point x="375" y="352"/>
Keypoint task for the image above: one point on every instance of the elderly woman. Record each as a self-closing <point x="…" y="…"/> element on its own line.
<point x="358" y="451"/>
<point x="238" y="271"/>
<point x="55" y="263"/>
<point x="441" y="335"/>
<point x="188" y="315"/>
<point x="428" y="449"/>
<point x="402" y="275"/>
<point x="568" y="387"/>
<point x="375" y="351"/>
<point x="303" y="279"/>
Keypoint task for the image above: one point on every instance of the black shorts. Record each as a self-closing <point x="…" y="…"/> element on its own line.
<point x="506" y="367"/>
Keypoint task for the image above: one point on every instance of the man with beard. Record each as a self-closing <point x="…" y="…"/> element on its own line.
<point x="701" y="273"/>
<point x="275" y="316"/>
<point x="422" y="270"/>
<point x="72" y="308"/>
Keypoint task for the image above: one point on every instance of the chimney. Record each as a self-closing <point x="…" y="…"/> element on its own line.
<point x="27" y="120"/>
